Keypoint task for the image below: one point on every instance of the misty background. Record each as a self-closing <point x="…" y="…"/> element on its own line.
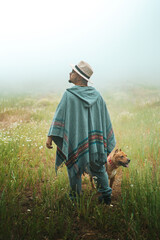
<point x="39" y="40"/>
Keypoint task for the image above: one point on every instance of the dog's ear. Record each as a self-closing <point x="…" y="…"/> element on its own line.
<point x="116" y="150"/>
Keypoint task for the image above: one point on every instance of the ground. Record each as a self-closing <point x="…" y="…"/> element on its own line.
<point x="88" y="233"/>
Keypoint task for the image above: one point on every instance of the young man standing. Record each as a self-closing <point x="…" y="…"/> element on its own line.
<point x="82" y="130"/>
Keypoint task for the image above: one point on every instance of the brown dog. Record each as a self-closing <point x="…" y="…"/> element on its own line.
<point x="114" y="161"/>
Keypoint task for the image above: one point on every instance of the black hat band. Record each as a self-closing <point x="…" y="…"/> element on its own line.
<point x="81" y="71"/>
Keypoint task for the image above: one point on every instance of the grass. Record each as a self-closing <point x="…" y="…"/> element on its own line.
<point x="33" y="201"/>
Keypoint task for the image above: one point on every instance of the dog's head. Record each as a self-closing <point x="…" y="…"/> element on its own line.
<point x="120" y="158"/>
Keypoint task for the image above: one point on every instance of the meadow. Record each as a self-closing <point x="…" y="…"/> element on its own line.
<point x="34" y="202"/>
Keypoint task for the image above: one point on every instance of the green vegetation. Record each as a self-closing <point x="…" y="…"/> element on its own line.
<point x="34" y="202"/>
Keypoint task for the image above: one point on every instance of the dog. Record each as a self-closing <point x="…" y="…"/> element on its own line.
<point x="114" y="161"/>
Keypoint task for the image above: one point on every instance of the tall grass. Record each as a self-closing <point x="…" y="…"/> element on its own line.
<point x="34" y="202"/>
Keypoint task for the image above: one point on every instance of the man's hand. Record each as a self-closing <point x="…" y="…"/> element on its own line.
<point x="49" y="143"/>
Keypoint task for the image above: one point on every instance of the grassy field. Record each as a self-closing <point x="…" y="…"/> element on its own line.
<point x="33" y="201"/>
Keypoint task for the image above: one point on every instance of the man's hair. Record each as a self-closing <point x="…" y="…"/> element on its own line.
<point x="83" y="81"/>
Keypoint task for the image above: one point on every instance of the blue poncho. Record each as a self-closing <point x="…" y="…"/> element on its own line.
<point x="82" y="130"/>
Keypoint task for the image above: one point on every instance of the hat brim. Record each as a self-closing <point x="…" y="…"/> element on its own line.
<point x="73" y="67"/>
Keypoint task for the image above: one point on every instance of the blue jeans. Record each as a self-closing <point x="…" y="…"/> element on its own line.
<point x="101" y="178"/>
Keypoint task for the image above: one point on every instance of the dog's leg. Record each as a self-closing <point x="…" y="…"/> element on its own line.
<point x="92" y="183"/>
<point x="112" y="181"/>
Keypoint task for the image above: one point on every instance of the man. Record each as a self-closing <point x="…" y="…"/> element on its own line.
<point x="83" y="133"/>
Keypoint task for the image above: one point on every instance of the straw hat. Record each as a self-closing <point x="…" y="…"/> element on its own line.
<point x="83" y="69"/>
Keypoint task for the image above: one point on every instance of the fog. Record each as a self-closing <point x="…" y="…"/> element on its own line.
<point x="40" y="39"/>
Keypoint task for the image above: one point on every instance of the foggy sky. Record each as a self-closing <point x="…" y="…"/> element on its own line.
<point x="120" y="39"/>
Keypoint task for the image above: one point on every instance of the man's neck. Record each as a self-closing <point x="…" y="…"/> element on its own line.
<point x="81" y="85"/>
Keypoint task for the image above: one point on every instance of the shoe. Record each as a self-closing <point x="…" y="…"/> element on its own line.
<point x="74" y="196"/>
<point x="104" y="200"/>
